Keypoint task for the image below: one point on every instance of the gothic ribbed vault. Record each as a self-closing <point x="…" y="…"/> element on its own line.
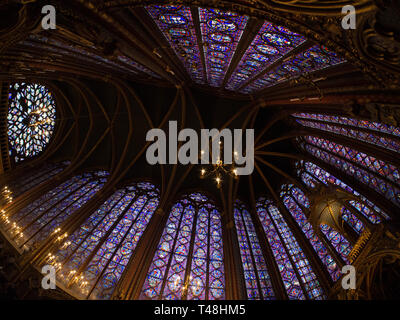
<point x="78" y="193"/>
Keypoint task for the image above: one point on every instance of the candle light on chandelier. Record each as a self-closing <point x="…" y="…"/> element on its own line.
<point x="218" y="170"/>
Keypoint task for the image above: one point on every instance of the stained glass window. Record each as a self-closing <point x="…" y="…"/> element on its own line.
<point x="289" y="196"/>
<point x="188" y="263"/>
<point x="349" y="217"/>
<point x="38" y="220"/>
<point x="364" y="206"/>
<point x="257" y="279"/>
<point x="365" y="124"/>
<point x="352" y="220"/>
<point x="31" y="119"/>
<point x="357" y="129"/>
<point x="365" y="175"/>
<point x="265" y="62"/>
<point x="271" y="43"/>
<point x="338" y="241"/>
<point x="313" y="59"/>
<point x="297" y="275"/>
<point x="371" y="163"/>
<point x="32" y="178"/>
<point x="221" y="31"/>
<point x="176" y="23"/>
<point x="94" y="257"/>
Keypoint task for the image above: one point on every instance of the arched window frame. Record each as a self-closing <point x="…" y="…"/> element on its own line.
<point x="256" y="275"/>
<point x="185" y="287"/>
<point x="32" y="224"/>
<point x="74" y="257"/>
<point x="372" y="180"/>
<point x="288" y="254"/>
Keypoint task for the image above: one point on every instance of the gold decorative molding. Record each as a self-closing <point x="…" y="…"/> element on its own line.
<point x="359" y="246"/>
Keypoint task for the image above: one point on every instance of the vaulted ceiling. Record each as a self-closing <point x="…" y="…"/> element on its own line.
<point x="120" y="68"/>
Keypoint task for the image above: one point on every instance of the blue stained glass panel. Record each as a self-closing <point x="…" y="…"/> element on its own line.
<point x="36" y="176"/>
<point x="313" y="59"/>
<point x="374" y="181"/>
<point x="348" y="127"/>
<point x="300" y="217"/>
<point x="194" y="225"/>
<point x="220" y="29"/>
<point x="257" y="279"/>
<point x="371" y="163"/>
<point x="39" y="219"/>
<point x="176" y="23"/>
<point x="271" y="43"/>
<point x="106" y="241"/>
<point x="379" y="127"/>
<point x="283" y="243"/>
<point x="324" y="177"/>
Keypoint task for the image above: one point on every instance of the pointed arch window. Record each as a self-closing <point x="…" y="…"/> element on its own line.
<point x="379" y="134"/>
<point x="257" y="279"/>
<point x="188" y="263"/>
<point x="299" y="279"/>
<point x="91" y="261"/>
<point x="31" y="120"/>
<point x="38" y="220"/>
<point x="291" y="197"/>
<point x="376" y="174"/>
<point x="296" y="202"/>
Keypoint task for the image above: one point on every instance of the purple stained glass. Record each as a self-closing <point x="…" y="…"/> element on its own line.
<point x="106" y="241"/>
<point x="313" y="59"/>
<point x="308" y="180"/>
<point x="374" y="181"/>
<point x="371" y="163"/>
<point x="86" y="54"/>
<point x="338" y="241"/>
<point x="38" y="220"/>
<point x="176" y="23"/>
<point x="194" y="225"/>
<point x="257" y="279"/>
<point x="351" y="132"/>
<point x="283" y="243"/>
<point x="353" y="221"/>
<point x="300" y="217"/>
<point x="220" y="29"/>
<point x="270" y="44"/>
<point x="365" y="124"/>
<point x="326" y="178"/>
